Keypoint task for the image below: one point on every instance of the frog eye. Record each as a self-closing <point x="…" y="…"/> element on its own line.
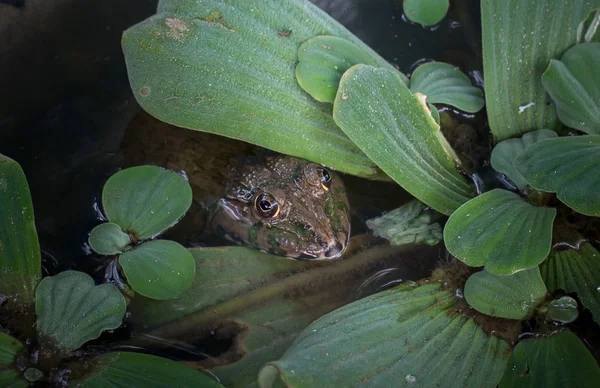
<point x="325" y="178"/>
<point x="266" y="205"/>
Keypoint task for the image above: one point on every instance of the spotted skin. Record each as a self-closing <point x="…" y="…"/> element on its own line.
<point x="311" y="220"/>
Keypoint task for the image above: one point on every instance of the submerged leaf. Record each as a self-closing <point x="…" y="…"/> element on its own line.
<point x="72" y="310"/>
<point x="108" y="239"/>
<point x="20" y="260"/>
<point x="159" y="269"/>
<point x="575" y="271"/>
<point x="557" y="361"/>
<point x="501" y="231"/>
<point x="393" y="338"/>
<point x="10" y="348"/>
<point x="396" y="130"/>
<point x="520" y="37"/>
<point x="410" y="223"/>
<point x="443" y="83"/>
<point x="574" y="87"/>
<point x="127" y="369"/>
<point x="505" y="152"/>
<point x="146" y="200"/>
<point x="323" y="60"/>
<point x="568" y="166"/>
<point x="228" y="67"/>
<point x="426" y="12"/>
<point x="513" y="297"/>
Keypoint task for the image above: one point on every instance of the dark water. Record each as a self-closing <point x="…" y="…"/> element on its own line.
<point x="66" y="102"/>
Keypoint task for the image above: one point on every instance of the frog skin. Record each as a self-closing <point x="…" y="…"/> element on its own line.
<point x="285" y="206"/>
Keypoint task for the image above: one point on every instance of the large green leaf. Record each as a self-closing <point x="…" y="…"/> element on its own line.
<point x="501" y="231"/>
<point x="10" y="348"/>
<point x="519" y="39"/>
<point x="396" y="338"/>
<point x="396" y="130"/>
<point x="505" y="152"/>
<point x="512" y="297"/>
<point x="323" y="60"/>
<point x="426" y="12"/>
<point x="146" y="200"/>
<point x="443" y="83"/>
<point x="575" y="271"/>
<point x="20" y="261"/>
<point x="159" y="269"/>
<point x="567" y="166"/>
<point x="126" y="369"/>
<point x="228" y="67"/>
<point x="72" y="310"/>
<point x="574" y="87"/>
<point x="557" y="361"/>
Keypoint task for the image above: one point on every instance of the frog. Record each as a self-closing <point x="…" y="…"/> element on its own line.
<point x="280" y="204"/>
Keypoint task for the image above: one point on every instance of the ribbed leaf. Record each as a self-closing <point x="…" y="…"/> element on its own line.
<point x="125" y="369"/>
<point x="159" y="269"/>
<point x="228" y="67"/>
<point x="72" y="310"/>
<point x="512" y="297"/>
<point x="443" y="83"/>
<point x="567" y="166"/>
<point x="9" y="350"/>
<point x="108" y="239"/>
<point x="505" y="152"/>
<point x="426" y="12"/>
<point x="20" y="261"/>
<point x="575" y="271"/>
<point x="519" y="39"/>
<point x="146" y="200"/>
<point x="323" y="60"/>
<point x="394" y="338"/>
<point x="501" y="231"/>
<point x="557" y="361"/>
<point x="574" y="87"/>
<point x="396" y="130"/>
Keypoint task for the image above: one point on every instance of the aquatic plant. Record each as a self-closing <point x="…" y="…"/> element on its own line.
<point x="140" y="203"/>
<point x="347" y="108"/>
<point x="41" y="339"/>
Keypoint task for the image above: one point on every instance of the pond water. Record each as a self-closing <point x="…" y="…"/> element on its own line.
<point x="66" y="106"/>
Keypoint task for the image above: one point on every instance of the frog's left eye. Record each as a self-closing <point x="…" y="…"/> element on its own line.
<point x="325" y="177"/>
<point x="266" y="205"/>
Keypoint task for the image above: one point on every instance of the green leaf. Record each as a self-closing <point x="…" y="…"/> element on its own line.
<point x="20" y="260"/>
<point x="323" y="60"/>
<point x="396" y="130"/>
<point x="575" y="90"/>
<point x="108" y="239"/>
<point x="126" y="369"/>
<point x="443" y="83"/>
<point x="512" y="297"/>
<point x="563" y="310"/>
<point x="567" y="166"/>
<point x="505" y="152"/>
<point x="520" y="37"/>
<point x="159" y="269"/>
<point x="146" y="200"/>
<point x="228" y="67"/>
<point x="575" y="271"/>
<point x="72" y="310"/>
<point x="426" y="12"/>
<point x="393" y="338"/>
<point x="33" y="374"/>
<point x="410" y="223"/>
<point x="501" y="231"/>
<point x="557" y="361"/>
<point x="10" y="348"/>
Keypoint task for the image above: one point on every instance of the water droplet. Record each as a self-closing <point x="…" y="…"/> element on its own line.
<point x="410" y="379"/>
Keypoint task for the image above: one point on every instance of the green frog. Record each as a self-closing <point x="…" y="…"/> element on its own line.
<point x="276" y="203"/>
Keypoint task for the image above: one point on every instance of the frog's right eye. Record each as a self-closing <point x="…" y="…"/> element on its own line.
<point x="266" y="205"/>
